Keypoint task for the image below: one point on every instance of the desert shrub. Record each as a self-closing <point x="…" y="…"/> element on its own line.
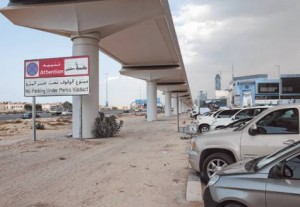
<point x="40" y="126"/>
<point x="18" y="121"/>
<point x="106" y="126"/>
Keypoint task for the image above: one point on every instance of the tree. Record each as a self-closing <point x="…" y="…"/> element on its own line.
<point x="67" y="106"/>
<point x="28" y="107"/>
<point x="39" y="107"/>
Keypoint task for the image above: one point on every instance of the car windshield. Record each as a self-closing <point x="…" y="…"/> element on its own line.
<point x="266" y="160"/>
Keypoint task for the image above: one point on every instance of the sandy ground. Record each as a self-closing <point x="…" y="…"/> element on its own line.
<point x="145" y="165"/>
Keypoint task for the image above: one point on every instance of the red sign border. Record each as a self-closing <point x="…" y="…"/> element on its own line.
<point x="71" y="57"/>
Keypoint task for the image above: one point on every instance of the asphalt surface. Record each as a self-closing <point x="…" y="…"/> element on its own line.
<point x="5" y="117"/>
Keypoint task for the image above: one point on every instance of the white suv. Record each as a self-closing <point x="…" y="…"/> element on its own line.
<point x="271" y="130"/>
<point x="242" y="114"/>
<point x="204" y="123"/>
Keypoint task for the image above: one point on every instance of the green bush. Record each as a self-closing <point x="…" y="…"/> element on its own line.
<point x="39" y="126"/>
<point x="106" y="126"/>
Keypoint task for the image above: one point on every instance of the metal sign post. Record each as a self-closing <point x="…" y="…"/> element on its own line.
<point x="80" y="118"/>
<point x="33" y="119"/>
<point x="177" y="112"/>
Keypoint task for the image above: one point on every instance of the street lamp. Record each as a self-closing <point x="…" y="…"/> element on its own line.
<point x="106" y="102"/>
<point x="279" y="95"/>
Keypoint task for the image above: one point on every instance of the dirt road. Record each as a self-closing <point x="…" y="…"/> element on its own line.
<point x="145" y="165"/>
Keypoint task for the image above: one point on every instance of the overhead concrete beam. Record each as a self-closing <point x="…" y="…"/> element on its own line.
<point x="80" y="17"/>
<point x="152" y="73"/>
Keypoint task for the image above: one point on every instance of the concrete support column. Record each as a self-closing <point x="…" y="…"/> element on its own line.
<point x="183" y="108"/>
<point x="168" y="107"/>
<point x="151" y="100"/>
<point x="83" y="122"/>
<point x="179" y="106"/>
<point x="175" y="105"/>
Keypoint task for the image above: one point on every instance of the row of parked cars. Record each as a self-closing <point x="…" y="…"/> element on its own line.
<point x="222" y="117"/>
<point x="257" y="178"/>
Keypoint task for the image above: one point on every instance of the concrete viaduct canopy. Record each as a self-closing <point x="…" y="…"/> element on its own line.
<point x="139" y="34"/>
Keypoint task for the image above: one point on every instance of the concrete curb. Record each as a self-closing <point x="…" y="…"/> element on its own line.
<point x="194" y="188"/>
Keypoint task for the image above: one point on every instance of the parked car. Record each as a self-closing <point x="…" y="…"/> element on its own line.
<point x="204" y="123"/>
<point x="66" y="113"/>
<point x="228" y="128"/>
<point x="266" y="133"/>
<point x="193" y="114"/>
<point x="243" y="113"/>
<point x="28" y="115"/>
<point x="266" y="181"/>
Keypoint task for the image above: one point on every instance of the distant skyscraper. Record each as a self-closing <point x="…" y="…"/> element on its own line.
<point x="218" y="82"/>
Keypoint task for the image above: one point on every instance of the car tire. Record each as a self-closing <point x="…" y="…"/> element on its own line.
<point x="214" y="163"/>
<point x="204" y="128"/>
<point x="234" y="205"/>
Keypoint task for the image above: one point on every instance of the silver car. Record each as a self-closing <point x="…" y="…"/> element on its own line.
<point x="272" y="181"/>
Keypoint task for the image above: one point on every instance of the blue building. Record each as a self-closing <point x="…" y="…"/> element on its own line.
<point x="259" y="90"/>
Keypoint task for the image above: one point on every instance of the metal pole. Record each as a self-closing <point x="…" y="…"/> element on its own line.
<point x="80" y="118"/>
<point x="33" y="119"/>
<point x="279" y="91"/>
<point x="199" y="102"/>
<point x="177" y="113"/>
<point x="106" y="103"/>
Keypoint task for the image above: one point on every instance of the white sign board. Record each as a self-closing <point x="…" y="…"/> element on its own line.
<point x="57" y="77"/>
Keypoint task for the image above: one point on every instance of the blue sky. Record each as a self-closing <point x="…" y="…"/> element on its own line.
<point x="18" y="44"/>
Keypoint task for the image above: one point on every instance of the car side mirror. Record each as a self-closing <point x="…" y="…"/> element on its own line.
<point x="287" y="172"/>
<point x="276" y="172"/>
<point x="280" y="171"/>
<point x="253" y="130"/>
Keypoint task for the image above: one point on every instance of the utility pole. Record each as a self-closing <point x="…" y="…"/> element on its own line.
<point x="106" y="102"/>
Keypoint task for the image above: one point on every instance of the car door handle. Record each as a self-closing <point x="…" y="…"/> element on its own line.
<point x="250" y="156"/>
<point x="289" y="142"/>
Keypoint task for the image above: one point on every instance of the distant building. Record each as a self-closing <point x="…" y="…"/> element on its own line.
<point x="259" y="90"/>
<point x="3" y="107"/>
<point x="218" y="82"/>
<point x="202" y="95"/>
<point x="11" y="106"/>
<point x="48" y="106"/>
<point x="221" y="94"/>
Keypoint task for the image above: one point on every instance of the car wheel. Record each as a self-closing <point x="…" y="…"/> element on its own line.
<point x="234" y="205"/>
<point x="204" y="128"/>
<point x="214" y="163"/>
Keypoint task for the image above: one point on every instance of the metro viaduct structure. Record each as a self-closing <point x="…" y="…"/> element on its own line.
<point x="139" y="34"/>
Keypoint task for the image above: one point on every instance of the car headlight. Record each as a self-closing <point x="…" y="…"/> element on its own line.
<point x="213" y="180"/>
